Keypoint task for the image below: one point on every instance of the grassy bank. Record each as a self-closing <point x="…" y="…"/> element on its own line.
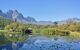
<point x="7" y="36"/>
<point x="51" y="32"/>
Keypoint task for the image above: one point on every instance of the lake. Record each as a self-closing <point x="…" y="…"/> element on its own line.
<point x="43" y="43"/>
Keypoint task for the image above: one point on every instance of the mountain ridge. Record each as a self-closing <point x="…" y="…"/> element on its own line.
<point x="14" y="14"/>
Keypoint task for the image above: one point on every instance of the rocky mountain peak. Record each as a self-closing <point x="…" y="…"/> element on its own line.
<point x="15" y="13"/>
<point x="30" y="19"/>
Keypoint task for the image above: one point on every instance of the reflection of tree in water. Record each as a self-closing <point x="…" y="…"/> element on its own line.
<point x="3" y="39"/>
<point x="28" y="31"/>
<point x="16" y="37"/>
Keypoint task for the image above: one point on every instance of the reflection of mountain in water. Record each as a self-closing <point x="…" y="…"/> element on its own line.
<point x="43" y="43"/>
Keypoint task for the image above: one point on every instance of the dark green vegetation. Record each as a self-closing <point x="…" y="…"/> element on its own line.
<point x="15" y="32"/>
<point x="4" y="22"/>
<point x="3" y="39"/>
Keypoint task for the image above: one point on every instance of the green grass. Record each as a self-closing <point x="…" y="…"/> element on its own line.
<point x="75" y="35"/>
<point x="49" y="32"/>
<point x="6" y="31"/>
<point x="12" y="36"/>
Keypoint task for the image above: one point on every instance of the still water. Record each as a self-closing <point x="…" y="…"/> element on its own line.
<point x="43" y="43"/>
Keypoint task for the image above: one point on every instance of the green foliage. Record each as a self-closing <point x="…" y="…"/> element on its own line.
<point x="70" y="26"/>
<point x="15" y="32"/>
<point x="55" y="24"/>
<point x="50" y="32"/>
<point x="3" y="39"/>
<point x="75" y="35"/>
<point x="4" y="22"/>
<point x="15" y="27"/>
<point x="15" y="37"/>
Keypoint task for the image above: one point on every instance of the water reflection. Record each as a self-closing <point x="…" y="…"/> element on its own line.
<point x="43" y="43"/>
<point x="6" y="47"/>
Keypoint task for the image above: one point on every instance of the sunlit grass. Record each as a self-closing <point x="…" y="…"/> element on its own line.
<point x="74" y="35"/>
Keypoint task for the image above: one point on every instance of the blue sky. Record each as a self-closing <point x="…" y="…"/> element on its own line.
<point x="45" y="10"/>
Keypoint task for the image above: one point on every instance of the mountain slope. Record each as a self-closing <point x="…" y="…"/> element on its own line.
<point x="2" y="14"/>
<point x="14" y="15"/>
<point x="30" y="19"/>
<point x="70" y="20"/>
